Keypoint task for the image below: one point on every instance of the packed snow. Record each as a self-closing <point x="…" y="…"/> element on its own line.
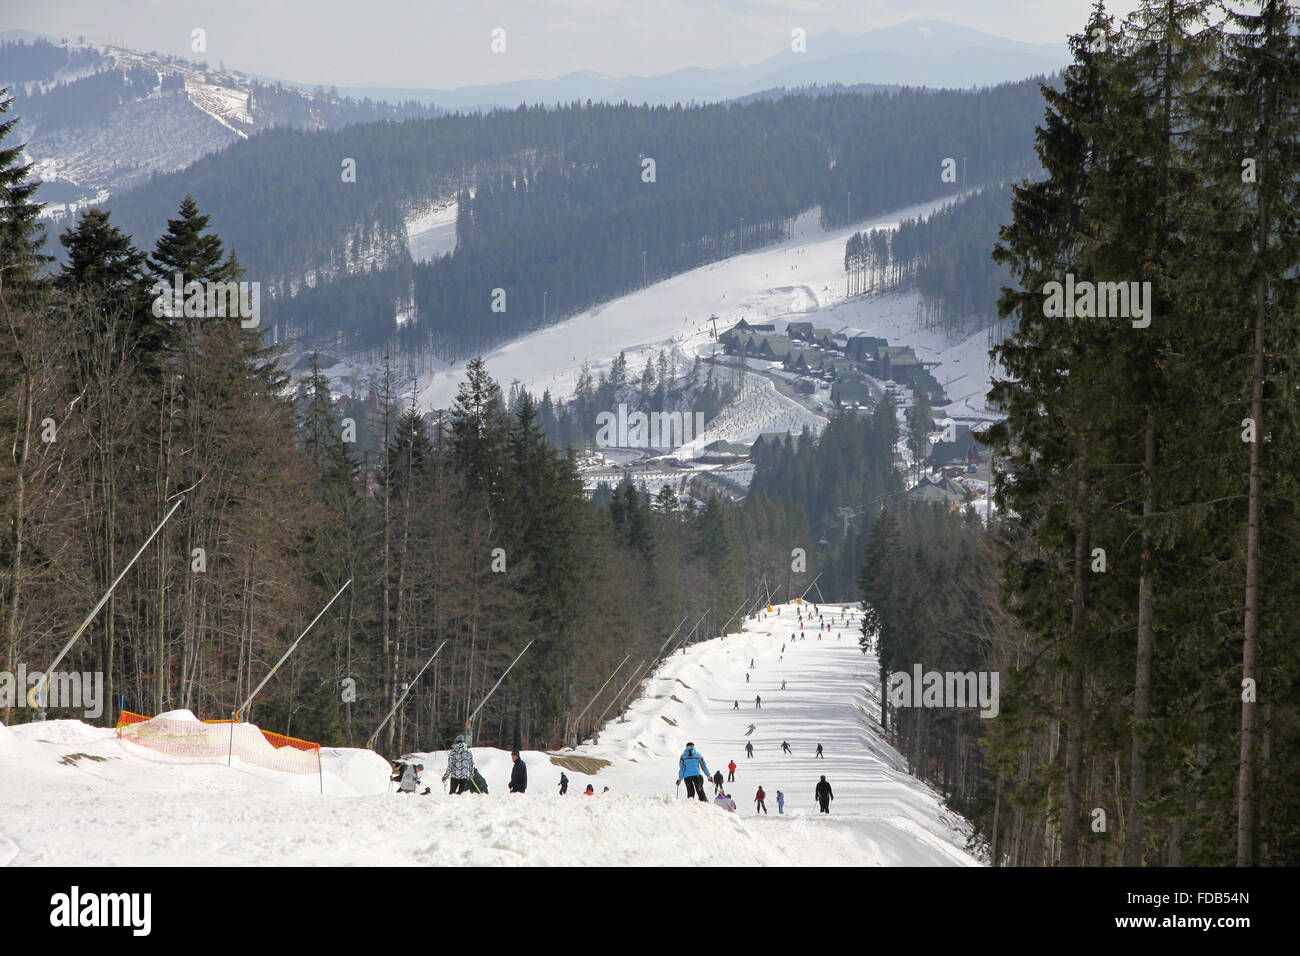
<point x="72" y="794"/>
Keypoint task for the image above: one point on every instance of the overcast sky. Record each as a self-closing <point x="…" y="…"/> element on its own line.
<point x="440" y="45"/>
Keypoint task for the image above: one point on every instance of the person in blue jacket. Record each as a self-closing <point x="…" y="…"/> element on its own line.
<point x="692" y="768"/>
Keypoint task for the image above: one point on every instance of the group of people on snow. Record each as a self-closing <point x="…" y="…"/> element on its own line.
<point x="694" y="769"/>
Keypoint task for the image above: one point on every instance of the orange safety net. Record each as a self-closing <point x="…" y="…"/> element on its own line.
<point x="220" y="741"/>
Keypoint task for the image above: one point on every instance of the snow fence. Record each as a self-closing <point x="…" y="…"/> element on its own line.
<point x="221" y="741"/>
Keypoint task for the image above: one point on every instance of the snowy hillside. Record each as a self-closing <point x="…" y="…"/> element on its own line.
<point x="74" y="794"/>
<point x="799" y="279"/>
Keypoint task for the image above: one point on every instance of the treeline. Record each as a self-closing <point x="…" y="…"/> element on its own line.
<point x="944" y="256"/>
<point x="563" y="209"/>
<point x="573" y="424"/>
<point x="41" y="60"/>
<point x="1149" y="536"/>
<point x="475" y="532"/>
<point x="94" y="98"/>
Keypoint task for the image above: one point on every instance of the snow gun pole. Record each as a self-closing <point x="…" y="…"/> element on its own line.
<point x="370" y="743"/>
<point x="670" y="637"/>
<point x="470" y="721"/>
<point x="574" y="726"/>
<point x="687" y="639"/>
<point x="238" y="714"/>
<point x="44" y="686"/>
<point x="618" y="695"/>
<point x="810" y="587"/>
<point x="743" y="605"/>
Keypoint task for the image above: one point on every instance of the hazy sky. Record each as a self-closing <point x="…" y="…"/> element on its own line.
<point x="441" y="45"/>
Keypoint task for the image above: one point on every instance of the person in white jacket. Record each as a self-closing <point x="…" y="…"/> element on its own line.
<point x="460" y="766"/>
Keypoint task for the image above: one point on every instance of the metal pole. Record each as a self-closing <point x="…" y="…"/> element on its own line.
<point x="670" y="637"/>
<point x="810" y="587"/>
<point x="574" y="725"/>
<point x="44" y="685"/>
<point x="687" y="638"/>
<point x="292" y="647"/>
<point x="621" y="689"/>
<point x="470" y="721"/>
<point x="410" y="687"/>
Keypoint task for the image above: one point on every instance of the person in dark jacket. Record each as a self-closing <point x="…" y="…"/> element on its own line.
<point x="564" y="783"/>
<point x="717" y="783"/>
<point x="824" y="795"/>
<point x="692" y="768"/>
<point x="518" y="774"/>
<point x="785" y="745"/>
<point x="819" y="753"/>
<point x="749" y="750"/>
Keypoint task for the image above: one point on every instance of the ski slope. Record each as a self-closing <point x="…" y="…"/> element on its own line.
<point x="798" y="279"/>
<point x="71" y="794"/>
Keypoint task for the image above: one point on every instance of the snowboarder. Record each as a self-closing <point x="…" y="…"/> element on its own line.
<point x="785" y="745"/>
<point x="731" y="772"/>
<point x="717" y="783"/>
<point x="819" y="753"/>
<point x="692" y="768"/>
<point x="780" y="802"/>
<point x="518" y="774"/>
<point x="824" y="795"/>
<point x="758" y="702"/>
<point x="760" y="799"/>
<point x="564" y="784"/>
<point x="460" y="766"/>
<point x="749" y="749"/>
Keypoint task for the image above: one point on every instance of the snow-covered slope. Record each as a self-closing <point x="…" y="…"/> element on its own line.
<point x="71" y="794"/>
<point x="800" y="279"/>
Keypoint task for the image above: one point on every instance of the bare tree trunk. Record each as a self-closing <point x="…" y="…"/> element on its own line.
<point x="1145" y="651"/>
<point x="1070" y="800"/>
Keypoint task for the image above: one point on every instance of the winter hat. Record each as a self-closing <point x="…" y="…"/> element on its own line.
<point x="460" y="738"/>
<point x="514" y="753"/>
<point x="689" y="744"/>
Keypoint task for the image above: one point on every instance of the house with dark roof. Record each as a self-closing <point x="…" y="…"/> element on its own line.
<point x="957" y="452"/>
<point x="852" y="394"/>
<point x="862" y="348"/>
<point x="800" y="330"/>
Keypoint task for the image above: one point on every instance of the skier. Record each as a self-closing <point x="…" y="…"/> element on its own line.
<point x="717" y="783"/>
<point x="750" y="730"/>
<point x="746" y="678"/>
<point x="782" y="648"/>
<point x="460" y="766"/>
<point x="735" y="705"/>
<point x="564" y="784"/>
<point x="758" y="702"/>
<point x="751" y="662"/>
<point x="759" y="800"/>
<point x="819" y="753"/>
<point x="692" y="768"/>
<point x="783" y="684"/>
<point x="785" y="745"/>
<point x="780" y="802"/>
<point x="749" y="750"/>
<point x="409" y="776"/>
<point x="824" y="795"/>
<point x="731" y="772"/>
<point x="518" y="774"/>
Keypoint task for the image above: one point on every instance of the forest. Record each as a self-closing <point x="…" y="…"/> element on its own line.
<point x="1139" y="591"/>
<point x="556" y="205"/>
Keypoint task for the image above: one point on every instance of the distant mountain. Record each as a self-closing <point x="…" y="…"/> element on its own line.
<point x="98" y="120"/>
<point x="917" y="53"/>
